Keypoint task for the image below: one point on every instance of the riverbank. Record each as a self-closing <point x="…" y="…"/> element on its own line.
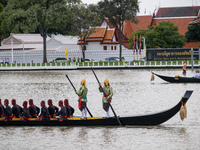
<point x="97" y="65"/>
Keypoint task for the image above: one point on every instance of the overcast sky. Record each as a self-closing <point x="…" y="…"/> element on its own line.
<point x="151" y="5"/>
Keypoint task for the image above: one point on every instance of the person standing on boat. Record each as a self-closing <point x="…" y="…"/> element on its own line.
<point x="53" y="110"/>
<point x="25" y="112"/>
<point x="16" y="109"/>
<point x="7" y="111"/>
<point x="184" y="68"/>
<point x="1" y="109"/>
<point x="44" y="112"/>
<point x="109" y="93"/>
<point x="63" y="112"/>
<point x="70" y="109"/>
<point x="82" y="93"/>
<point x="34" y="110"/>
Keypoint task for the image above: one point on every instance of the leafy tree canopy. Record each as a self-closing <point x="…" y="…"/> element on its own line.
<point x="4" y="2"/>
<point x="84" y="20"/>
<point x="118" y="11"/>
<point x="193" y="33"/>
<point x="36" y="15"/>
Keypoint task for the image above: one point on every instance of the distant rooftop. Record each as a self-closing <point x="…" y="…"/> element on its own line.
<point x="178" y="11"/>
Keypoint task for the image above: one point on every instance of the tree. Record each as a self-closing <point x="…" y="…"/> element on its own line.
<point x="193" y="33"/>
<point x="119" y="11"/>
<point x="85" y="19"/>
<point x="164" y="35"/>
<point x="1" y="9"/>
<point x="137" y="33"/>
<point x="37" y="15"/>
<point x="4" y="2"/>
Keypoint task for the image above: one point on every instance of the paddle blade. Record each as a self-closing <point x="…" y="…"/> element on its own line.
<point x="152" y="77"/>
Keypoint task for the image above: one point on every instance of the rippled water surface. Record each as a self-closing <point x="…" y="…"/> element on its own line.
<point x="133" y="94"/>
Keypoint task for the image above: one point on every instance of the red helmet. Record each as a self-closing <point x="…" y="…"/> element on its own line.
<point x="6" y="101"/>
<point x="25" y="104"/>
<point x="13" y="102"/>
<point x="42" y="103"/>
<point x="49" y="102"/>
<point x="60" y="103"/>
<point x="66" y="102"/>
<point x="30" y="101"/>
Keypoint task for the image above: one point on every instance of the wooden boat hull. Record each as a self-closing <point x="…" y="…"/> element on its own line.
<point x="179" y="79"/>
<point x="139" y="120"/>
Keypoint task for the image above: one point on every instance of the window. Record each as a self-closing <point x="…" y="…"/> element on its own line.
<point x="115" y="47"/>
<point x="111" y="47"/>
<point x="104" y="47"/>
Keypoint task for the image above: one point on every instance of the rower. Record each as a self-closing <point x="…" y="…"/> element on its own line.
<point x="34" y="110"/>
<point x="63" y="112"/>
<point x="25" y="112"/>
<point x="1" y="110"/>
<point x="70" y="109"/>
<point x="44" y="112"/>
<point x="16" y="109"/>
<point x="107" y="97"/>
<point x="7" y="111"/>
<point x="82" y="93"/>
<point x="53" y="110"/>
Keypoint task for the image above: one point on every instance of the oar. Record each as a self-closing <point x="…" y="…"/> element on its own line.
<point x="75" y="90"/>
<point x="108" y="101"/>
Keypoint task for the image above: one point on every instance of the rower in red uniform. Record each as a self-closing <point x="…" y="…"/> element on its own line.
<point x="25" y="112"/>
<point x="53" y="110"/>
<point x="16" y="109"/>
<point x="1" y="110"/>
<point x="70" y="109"/>
<point x="44" y="112"/>
<point x="63" y="112"/>
<point x="34" y="110"/>
<point x="7" y="111"/>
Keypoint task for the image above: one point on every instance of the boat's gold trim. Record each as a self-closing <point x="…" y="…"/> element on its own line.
<point x="73" y="118"/>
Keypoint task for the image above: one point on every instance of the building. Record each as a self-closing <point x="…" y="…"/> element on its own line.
<point x="180" y="16"/>
<point x="103" y="37"/>
<point x="22" y="41"/>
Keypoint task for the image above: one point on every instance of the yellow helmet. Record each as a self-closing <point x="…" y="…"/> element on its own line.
<point x="83" y="83"/>
<point x="106" y="81"/>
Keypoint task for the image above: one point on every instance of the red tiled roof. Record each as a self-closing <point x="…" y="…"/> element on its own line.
<point x="182" y="23"/>
<point x="178" y="11"/>
<point x="143" y="23"/>
<point x="103" y="35"/>
<point x="98" y="33"/>
<point x="109" y="35"/>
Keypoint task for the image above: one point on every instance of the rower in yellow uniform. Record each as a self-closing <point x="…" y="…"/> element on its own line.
<point x="107" y="97"/>
<point x="82" y="93"/>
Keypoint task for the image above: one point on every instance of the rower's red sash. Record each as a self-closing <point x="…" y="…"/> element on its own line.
<point x="106" y="95"/>
<point x="79" y="102"/>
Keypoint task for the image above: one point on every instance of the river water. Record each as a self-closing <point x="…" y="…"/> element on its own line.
<point x="134" y="94"/>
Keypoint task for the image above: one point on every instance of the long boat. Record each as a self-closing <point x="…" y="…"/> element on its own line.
<point x="178" y="79"/>
<point x="138" y="120"/>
